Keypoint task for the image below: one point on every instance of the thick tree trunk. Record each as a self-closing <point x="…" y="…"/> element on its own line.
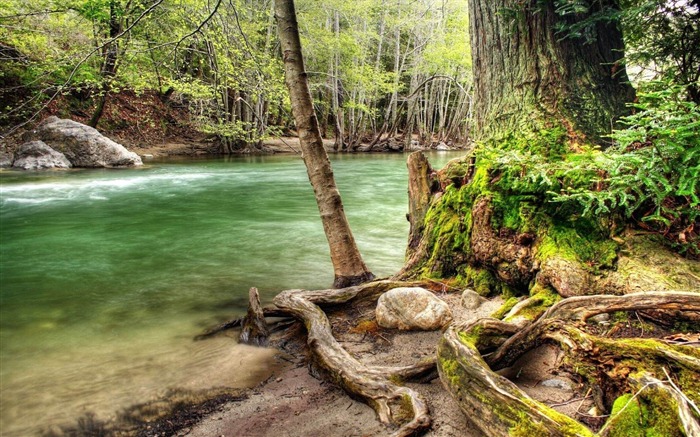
<point x="348" y="266"/>
<point x="528" y="77"/>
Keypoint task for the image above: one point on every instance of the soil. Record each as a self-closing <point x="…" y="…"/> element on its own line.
<point x="297" y="402"/>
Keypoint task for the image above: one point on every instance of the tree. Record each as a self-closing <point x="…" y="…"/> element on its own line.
<point x="540" y="213"/>
<point x="528" y="77"/>
<point x="348" y="266"/>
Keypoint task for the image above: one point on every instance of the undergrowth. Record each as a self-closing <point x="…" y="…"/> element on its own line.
<point x="649" y="176"/>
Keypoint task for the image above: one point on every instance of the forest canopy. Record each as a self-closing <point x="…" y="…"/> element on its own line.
<point x="375" y="68"/>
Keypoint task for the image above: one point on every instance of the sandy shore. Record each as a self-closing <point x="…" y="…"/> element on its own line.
<point x="294" y="402"/>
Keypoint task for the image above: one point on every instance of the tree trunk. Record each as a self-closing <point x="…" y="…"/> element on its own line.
<point x="109" y="65"/>
<point x="529" y="77"/>
<point x="540" y="97"/>
<point x="348" y="266"/>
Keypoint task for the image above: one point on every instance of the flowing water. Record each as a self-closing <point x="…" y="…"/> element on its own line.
<point x="106" y="275"/>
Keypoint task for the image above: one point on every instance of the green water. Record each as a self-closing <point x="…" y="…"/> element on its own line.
<point x="106" y="275"/>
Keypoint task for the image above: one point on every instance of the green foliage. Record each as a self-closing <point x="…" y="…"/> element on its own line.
<point x="651" y="175"/>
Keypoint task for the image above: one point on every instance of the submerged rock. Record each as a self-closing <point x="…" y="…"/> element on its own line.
<point x="36" y="155"/>
<point x="83" y="145"/>
<point x="412" y="308"/>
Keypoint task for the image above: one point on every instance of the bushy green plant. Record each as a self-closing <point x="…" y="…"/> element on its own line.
<point x="651" y="175"/>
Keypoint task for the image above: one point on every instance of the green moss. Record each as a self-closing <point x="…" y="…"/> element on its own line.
<point x="471" y="337"/>
<point x="507" y="306"/>
<point x="627" y="418"/>
<point x="580" y="241"/>
<point x="651" y="414"/>
<point x="525" y="427"/>
<point x="548" y="142"/>
<point x="481" y="280"/>
<point x="539" y="302"/>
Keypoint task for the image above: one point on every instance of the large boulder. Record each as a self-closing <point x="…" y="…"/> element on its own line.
<point x="36" y="155"/>
<point x="412" y="308"/>
<point x="83" y="145"/>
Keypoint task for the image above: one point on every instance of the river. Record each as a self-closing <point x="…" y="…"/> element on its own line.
<point x="106" y="275"/>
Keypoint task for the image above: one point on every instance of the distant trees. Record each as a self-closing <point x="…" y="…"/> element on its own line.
<point x="376" y="69"/>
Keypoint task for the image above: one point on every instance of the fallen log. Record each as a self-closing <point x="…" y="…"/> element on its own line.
<point x="498" y="407"/>
<point x="492" y="403"/>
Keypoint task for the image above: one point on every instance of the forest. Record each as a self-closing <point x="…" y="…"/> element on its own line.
<point x="375" y="68"/>
<point x="571" y="223"/>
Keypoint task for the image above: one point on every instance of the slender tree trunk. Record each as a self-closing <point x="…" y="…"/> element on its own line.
<point x="348" y="266"/>
<point x="109" y="66"/>
<point x="528" y="77"/>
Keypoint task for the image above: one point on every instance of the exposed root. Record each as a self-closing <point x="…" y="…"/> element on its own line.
<point x="394" y="404"/>
<point x="498" y="407"/>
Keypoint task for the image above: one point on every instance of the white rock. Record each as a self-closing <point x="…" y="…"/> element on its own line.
<point x="412" y="308"/>
<point x="471" y="300"/>
<point x="36" y="155"/>
<point x="83" y="145"/>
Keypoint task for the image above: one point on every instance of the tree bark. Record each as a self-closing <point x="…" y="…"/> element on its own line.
<point x="393" y="403"/>
<point x="529" y="77"/>
<point x="348" y="266"/>
<point x="255" y="331"/>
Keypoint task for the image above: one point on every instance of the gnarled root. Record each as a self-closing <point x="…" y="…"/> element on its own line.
<point x="394" y="404"/>
<point x="498" y="407"/>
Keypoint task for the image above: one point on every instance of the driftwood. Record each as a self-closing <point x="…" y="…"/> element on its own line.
<point x="394" y="404"/>
<point x="498" y="407"/>
<point x="238" y="322"/>
<point x="255" y="331"/>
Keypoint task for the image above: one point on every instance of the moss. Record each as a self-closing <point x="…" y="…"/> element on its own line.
<point x="627" y="418"/>
<point x="528" y="428"/>
<point x="505" y="308"/>
<point x="481" y="280"/>
<point x="541" y="299"/>
<point x="580" y="241"/>
<point x="448" y="223"/>
<point x="514" y="211"/>
<point x="404" y="412"/>
<point x="651" y="414"/>
<point x="549" y="142"/>
<point x="472" y="336"/>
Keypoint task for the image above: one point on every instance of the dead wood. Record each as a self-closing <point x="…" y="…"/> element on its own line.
<point x="498" y="407"/>
<point x="255" y="331"/>
<point x="238" y="322"/>
<point x="394" y="404"/>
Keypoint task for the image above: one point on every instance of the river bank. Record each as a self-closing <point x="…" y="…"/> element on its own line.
<point x="297" y="401"/>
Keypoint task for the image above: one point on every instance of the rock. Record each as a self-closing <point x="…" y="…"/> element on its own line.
<point x="557" y="383"/>
<point x="471" y="300"/>
<point x="6" y="159"/>
<point x="395" y="146"/>
<point x="442" y="146"/>
<point x="601" y="319"/>
<point x="415" y="145"/>
<point x="36" y="155"/>
<point x="412" y="308"/>
<point x="83" y="145"/>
